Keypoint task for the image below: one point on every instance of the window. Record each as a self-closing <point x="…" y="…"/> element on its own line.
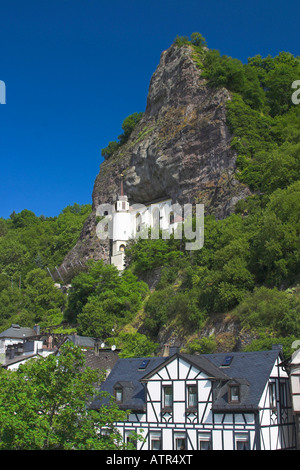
<point x="192" y="396"/>
<point x="234" y="393"/>
<point x="242" y="442"/>
<point x="283" y="395"/>
<point x="138" y="221"/>
<point x="180" y="440"/>
<point x="122" y="248"/>
<point x="227" y="361"/>
<point x="119" y="395"/>
<point x="155" y="441"/>
<point x="205" y="445"/>
<point x="167" y="396"/>
<point x="205" y="441"/>
<point x="180" y="443"/>
<point x="155" y="444"/>
<point x="272" y="394"/>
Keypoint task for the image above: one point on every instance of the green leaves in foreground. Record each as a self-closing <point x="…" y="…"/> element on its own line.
<point x="43" y="406"/>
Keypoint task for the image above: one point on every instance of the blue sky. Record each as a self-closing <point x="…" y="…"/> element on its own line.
<point x="74" y="69"/>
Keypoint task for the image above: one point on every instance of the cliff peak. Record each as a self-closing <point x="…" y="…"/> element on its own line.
<point x="180" y="150"/>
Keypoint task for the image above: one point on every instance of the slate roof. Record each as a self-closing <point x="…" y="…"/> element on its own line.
<point x="251" y="370"/>
<point x="18" y="332"/>
<point x="104" y="361"/>
<point x="126" y="370"/>
<point x="199" y="361"/>
<point x="82" y="341"/>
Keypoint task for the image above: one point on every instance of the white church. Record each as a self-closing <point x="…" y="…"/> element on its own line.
<point x="131" y="222"/>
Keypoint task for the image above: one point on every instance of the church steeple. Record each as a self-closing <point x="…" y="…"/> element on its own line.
<point x="122" y="185"/>
<point x="122" y="201"/>
<point x="121" y="228"/>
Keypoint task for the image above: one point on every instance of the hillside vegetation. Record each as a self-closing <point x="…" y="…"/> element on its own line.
<point x="248" y="269"/>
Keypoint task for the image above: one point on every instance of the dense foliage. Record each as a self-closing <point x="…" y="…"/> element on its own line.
<point x="28" y="241"/>
<point x="101" y="301"/>
<point x="43" y="406"/>
<point x="28" y="245"/>
<point x="258" y="246"/>
<point x="248" y="268"/>
<point x="249" y="259"/>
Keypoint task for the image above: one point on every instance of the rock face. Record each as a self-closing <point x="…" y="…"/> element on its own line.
<point x="180" y="150"/>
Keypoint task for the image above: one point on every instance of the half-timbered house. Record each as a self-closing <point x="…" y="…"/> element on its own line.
<point x="222" y="401"/>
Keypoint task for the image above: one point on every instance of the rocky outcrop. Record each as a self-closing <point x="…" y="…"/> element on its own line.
<point x="180" y="150"/>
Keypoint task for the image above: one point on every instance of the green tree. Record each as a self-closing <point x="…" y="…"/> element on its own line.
<point x="108" y="151"/>
<point x="275" y="240"/>
<point x="97" y="320"/>
<point x="198" y="40"/>
<point x="134" y="344"/>
<point x="40" y="295"/>
<point x="24" y="219"/>
<point x="270" y="310"/>
<point x="101" y="298"/>
<point x="128" y="125"/>
<point x="97" y="279"/>
<point x="43" y="406"/>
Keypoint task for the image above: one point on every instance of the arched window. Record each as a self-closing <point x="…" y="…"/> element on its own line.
<point x="122" y="248"/>
<point x="138" y="222"/>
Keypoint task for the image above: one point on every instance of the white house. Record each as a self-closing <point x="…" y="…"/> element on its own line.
<point x="205" y="402"/>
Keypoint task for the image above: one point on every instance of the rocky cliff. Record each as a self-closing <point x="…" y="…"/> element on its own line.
<point x="180" y="150"/>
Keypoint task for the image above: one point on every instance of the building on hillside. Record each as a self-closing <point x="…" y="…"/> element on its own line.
<point x="18" y="344"/>
<point x="235" y="401"/>
<point x="128" y="222"/>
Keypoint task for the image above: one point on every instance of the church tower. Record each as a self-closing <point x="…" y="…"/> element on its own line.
<point x="121" y="229"/>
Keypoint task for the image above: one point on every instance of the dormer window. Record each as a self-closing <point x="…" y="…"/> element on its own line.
<point x="234" y="393"/>
<point x="123" y="392"/>
<point x="119" y="395"/>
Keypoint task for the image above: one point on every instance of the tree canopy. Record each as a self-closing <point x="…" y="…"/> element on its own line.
<point x="44" y="405"/>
